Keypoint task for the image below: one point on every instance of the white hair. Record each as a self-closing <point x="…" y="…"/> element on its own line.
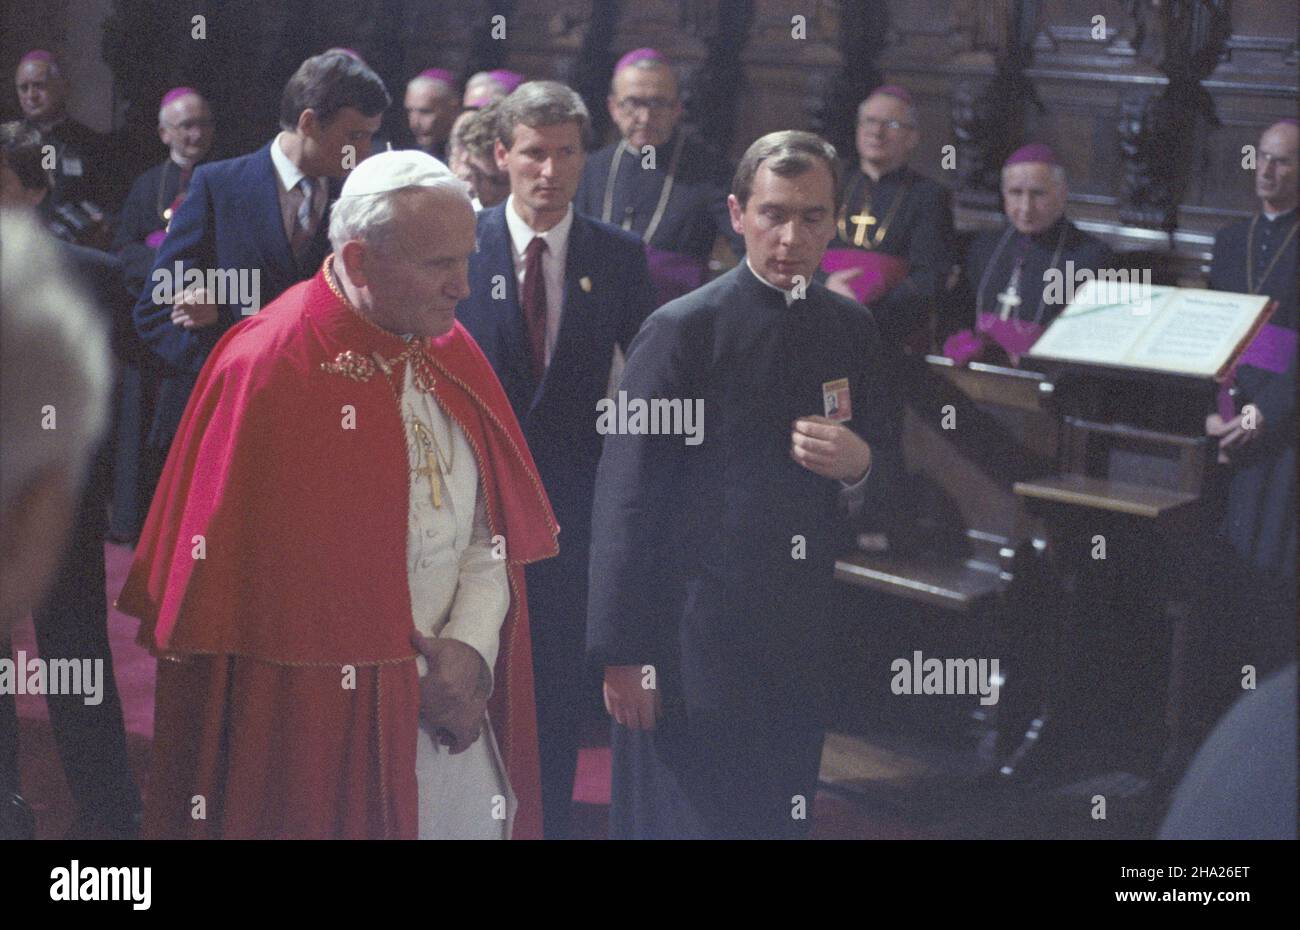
<point x="1057" y="173"/>
<point x="370" y="217"/>
<point x="423" y="80"/>
<point x="56" y="373"/>
<point x="163" y="109"/>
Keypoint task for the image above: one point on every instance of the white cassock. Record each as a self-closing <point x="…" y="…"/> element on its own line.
<point x="458" y="590"/>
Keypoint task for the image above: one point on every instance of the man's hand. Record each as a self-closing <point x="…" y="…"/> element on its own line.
<point x="628" y="701"/>
<point x="454" y="693"/>
<point x="838" y="281"/>
<point x="193" y="311"/>
<point x="829" y="449"/>
<point x="1235" y="432"/>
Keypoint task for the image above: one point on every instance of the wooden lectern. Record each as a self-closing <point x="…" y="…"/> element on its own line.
<point x="1077" y="483"/>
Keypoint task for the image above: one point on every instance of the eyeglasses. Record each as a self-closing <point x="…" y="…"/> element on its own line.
<point x="870" y="122"/>
<point x="629" y="105"/>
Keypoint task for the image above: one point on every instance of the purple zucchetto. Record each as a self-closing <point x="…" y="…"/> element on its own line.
<point x="176" y="93"/>
<point x="894" y="90"/>
<point x="639" y="54"/>
<point x="508" y="80"/>
<point x="36" y="54"/>
<point x="438" y="74"/>
<point x="1035" y="152"/>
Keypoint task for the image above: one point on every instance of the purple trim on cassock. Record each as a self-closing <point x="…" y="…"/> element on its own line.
<point x="1016" y="336"/>
<point x="1271" y="350"/>
<point x="673" y="274"/>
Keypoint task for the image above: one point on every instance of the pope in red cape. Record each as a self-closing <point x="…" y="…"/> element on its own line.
<point x="271" y="575"/>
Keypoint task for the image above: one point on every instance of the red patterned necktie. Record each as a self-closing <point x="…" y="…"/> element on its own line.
<point x="534" y="301"/>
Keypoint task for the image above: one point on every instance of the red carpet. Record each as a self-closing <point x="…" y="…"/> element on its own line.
<point x="45" y="789"/>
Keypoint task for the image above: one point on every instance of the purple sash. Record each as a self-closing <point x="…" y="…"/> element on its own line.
<point x="673" y="274"/>
<point x="1016" y="336"/>
<point x="1271" y="350"/>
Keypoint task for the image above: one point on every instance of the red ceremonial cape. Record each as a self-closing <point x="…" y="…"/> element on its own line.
<point x="272" y="571"/>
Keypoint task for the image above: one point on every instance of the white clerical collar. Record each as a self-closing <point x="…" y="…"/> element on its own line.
<point x="556" y="238"/>
<point x="788" y="295"/>
<point x="288" y="173"/>
<point x="1270" y="216"/>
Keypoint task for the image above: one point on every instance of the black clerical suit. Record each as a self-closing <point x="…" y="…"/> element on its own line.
<point x="145" y="213"/>
<point x="714" y="562"/>
<point x="72" y="623"/>
<point x="913" y="221"/>
<point x="993" y="255"/>
<point x="1261" y="504"/>
<point x="83" y="171"/>
<point x="693" y="213"/>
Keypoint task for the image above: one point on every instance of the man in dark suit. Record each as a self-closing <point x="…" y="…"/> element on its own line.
<point x="552" y="294"/>
<point x="253" y="225"/>
<point x="713" y="602"/>
<point x="71" y="622"/>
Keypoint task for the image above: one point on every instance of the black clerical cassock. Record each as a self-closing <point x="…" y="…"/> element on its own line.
<point x="141" y="226"/>
<point x="906" y="216"/>
<point x="713" y="562"/>
<point x="1005" y="281"/>
<point x="677" y="205"/>
<point x="1258" y="256"/>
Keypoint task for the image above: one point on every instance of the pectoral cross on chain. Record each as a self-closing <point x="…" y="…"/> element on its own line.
<point x="862" y="221"/>
<point x="1009" y="300"/>
<point x="431" y="469"/>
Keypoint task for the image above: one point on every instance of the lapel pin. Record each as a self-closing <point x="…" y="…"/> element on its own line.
<point x="585" y="283"/>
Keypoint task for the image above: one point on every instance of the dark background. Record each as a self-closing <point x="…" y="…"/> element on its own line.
<point x="1150" y="119"/>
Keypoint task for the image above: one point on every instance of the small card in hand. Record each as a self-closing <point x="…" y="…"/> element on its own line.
<point x="835" y="400"/>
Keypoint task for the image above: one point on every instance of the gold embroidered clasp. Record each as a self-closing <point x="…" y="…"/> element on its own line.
<point x="351" y="365"/>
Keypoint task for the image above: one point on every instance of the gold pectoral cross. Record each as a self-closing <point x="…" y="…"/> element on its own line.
<point x="862" y="221"/>
<point x="433" y="467"/>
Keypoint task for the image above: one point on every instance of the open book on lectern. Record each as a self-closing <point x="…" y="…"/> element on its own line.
<point x="1178" y="330"/>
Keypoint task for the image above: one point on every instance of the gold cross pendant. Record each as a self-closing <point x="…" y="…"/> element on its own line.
<point x="431" y="469"/>
<point x="863" y="221"/>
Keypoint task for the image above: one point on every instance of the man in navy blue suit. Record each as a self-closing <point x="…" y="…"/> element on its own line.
<point x="552" y="294"/>
<point x="253" y="226"/>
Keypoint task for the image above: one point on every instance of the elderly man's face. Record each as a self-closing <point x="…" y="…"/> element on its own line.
<point x="420" y="272"/>
<point x="645" y="106"/>
<point x="430" y="110"/>
<point x="40" y="92"/>
<point x="787" y="223"/>
<point x="544" y="165"/>
<point x="886" y="135"/>
<point x="1032" y="196"/>
<point x="1275" y="168"/>
<point x="186" y="128"/>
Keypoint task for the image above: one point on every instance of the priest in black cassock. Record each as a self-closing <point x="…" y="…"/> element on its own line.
<point x="658" y="181"/>
<point x="82" y="166"/>
<point x="712" y="603"/>
<point x="893" y="245"/>
<point x="1006" y="274"/>
<point x="1258" y="256"/>
<point x="185" y="126"/>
